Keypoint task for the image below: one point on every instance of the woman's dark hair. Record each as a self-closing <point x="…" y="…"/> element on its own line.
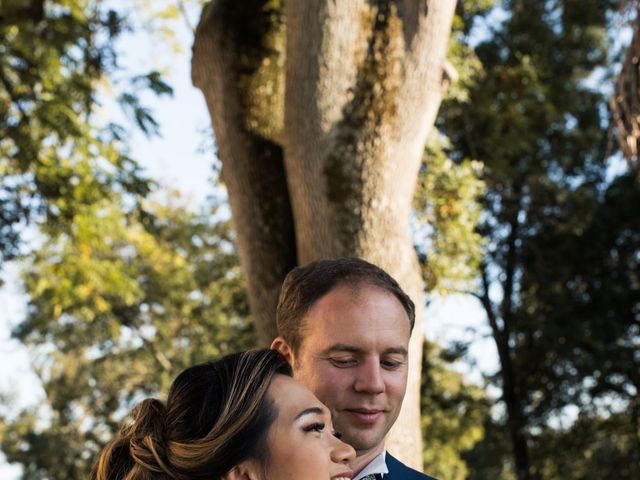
<point x="216" y="416"/>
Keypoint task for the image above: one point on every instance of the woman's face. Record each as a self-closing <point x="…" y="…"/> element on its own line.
<point x="301" y="440"/>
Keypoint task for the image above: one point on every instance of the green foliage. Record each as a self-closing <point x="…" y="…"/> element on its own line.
<point x="124" y="292"/>
<point x="593" y="447"/>
<point x="453" y="412"/>
<point x="446" y="203"/>
<point x="491" y="457"/>
<point x="562" y="235"/>
<point x="461" y="54"/>
<point x="592" y="269"/>
<point x="118" y="306"/>
<point x="55" y="153"/>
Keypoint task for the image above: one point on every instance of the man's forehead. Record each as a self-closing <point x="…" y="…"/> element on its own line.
<point x="356" y="290"/>
<point x="330" y="319"/>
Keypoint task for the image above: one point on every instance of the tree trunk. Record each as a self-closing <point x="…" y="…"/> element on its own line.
<point x="363" y="81"/>
<point x="515" y="420"/>
<point x="241" y="77"/>
<point x="625" y="103"/>
<point x="635" y="424"/>
<point x="516" y="423"/>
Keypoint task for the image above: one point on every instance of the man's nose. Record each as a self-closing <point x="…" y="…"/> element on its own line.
<point x="369" y="377"/>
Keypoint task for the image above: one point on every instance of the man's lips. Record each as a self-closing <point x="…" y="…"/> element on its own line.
<point x="365" y="415"/>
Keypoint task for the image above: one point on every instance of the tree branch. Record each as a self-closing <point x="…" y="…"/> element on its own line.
<point x="33" y="11"/>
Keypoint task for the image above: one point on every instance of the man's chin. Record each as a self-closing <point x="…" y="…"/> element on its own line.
<point x="363" y="444"/>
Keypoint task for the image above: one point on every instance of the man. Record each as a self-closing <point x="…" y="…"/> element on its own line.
<point x="344" y="325"/>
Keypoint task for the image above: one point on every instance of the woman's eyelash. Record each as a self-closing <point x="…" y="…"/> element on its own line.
<point x="314" y="427"/>
<point x="338" y="435"/>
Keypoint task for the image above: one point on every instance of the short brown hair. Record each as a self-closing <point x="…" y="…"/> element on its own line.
<point x="304" y="286"/>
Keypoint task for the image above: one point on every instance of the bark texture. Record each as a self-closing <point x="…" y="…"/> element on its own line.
<point x="363" y="86"/>
<point x="362" y="83"/>
<point x="238" y="58"/>
<point x="625" y="102"/>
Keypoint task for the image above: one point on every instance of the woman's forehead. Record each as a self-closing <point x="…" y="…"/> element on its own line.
<point x="292" y="398"/>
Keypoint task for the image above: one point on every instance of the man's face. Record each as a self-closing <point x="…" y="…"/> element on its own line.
<point x="353" y="357"/>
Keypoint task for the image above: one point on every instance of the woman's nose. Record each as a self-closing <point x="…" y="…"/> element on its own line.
<point x="342" y="452"/>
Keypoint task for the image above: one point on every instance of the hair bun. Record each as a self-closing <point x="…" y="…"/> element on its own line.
<point x="147" y="438"/>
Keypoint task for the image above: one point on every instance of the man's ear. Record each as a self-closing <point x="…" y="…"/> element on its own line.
<point x="246" y="470"/>
<point x="281" y="345"/>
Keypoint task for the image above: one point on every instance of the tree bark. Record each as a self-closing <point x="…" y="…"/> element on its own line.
<point x="240" y="75"/>
<point x="511" y="392"/>
<point x="363" y="86"/>
<point x="363" y="81"/>
<point x="516" y="422"/>
<point x="625" y="102"/>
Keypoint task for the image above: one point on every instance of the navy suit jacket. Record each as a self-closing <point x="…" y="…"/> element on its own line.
<point x="399" y="471"/>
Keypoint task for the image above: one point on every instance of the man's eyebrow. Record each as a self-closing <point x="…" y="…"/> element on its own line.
<point x="309" y="411"/>
<point x="397" y="350"/>
<point x="342" y="347"/>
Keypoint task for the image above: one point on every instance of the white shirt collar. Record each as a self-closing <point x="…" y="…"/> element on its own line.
<point x="377" y="465"/>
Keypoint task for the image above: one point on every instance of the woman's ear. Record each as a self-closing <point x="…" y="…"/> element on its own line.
<point x="247" y="470"/>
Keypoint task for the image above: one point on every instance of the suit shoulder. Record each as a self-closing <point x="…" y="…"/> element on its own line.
<point x="398" y="470"/>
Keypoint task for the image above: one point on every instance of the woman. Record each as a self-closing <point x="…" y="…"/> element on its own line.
<point x="239" y="418"/>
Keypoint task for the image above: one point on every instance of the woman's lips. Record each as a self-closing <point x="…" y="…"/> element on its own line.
<point x="348" y="475"/>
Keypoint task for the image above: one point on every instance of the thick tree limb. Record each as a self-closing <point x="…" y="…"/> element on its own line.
<point x="625" y="102"/>
<point x="226" y="66"/>
<point x="364" y="81"/>
<point x="32" y="11"/>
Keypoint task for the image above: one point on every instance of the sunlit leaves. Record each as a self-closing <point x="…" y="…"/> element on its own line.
<point x="119" y="305"/>
<point x="453" y="412"/>
<point x="56" y="152"/>
<point x="446" y="203"/>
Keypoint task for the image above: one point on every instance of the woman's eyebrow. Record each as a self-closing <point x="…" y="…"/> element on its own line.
<point x="308" y="411"/>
